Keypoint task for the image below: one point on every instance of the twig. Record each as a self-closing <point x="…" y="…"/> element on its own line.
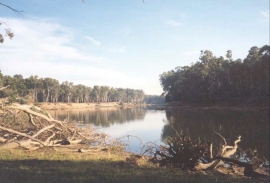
<point x="14" y="10"/>
<point x="221" y="137"/>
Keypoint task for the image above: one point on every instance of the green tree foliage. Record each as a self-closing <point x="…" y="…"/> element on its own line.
<point x="215" y="78"/>
<point x="154" y="99"/>
<point x="1" y="79"/>
<point x="49" y="90"/>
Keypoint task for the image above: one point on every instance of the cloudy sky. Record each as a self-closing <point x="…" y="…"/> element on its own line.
<point x="125" y="43"/>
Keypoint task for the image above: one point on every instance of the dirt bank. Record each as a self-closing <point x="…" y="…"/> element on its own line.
<point x="65" y="106"/>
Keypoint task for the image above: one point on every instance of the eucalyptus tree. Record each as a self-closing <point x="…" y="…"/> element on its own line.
<point x="32" y="86"/>
<point x="77" y="93"/>
<point x="49" y="84"/>
<point x="96" y="93"/>
<point x="167" y="81"/>
<point x="9" y="81"/>
<point x="264" y="70"/>
<point x="141" y="96"/>
<point x="154" y="99"/>
<point x="104" y="90"/>
<point x="250" y="61"/>
<point x="216" y="78"/>
<point x="134" y="94"/>
<point x="16" y="85"/>
<point x="129" y="95"/>
<point x="121" y="95"/>
<point x="49" y="90"/>
<point x="20" y="85"/>
<point x="55" y="93"/>
<point x="112" y="95"/>
<point x="86" y="93"/>
<point x="66" y="91"/>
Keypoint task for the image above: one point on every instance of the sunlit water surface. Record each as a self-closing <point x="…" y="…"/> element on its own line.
<point x="153" y="126"/>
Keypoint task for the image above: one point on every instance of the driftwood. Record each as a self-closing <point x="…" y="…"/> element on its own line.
<point x="31" y="128"/>
<point x="226" y="152"/>
<point x="182" y="152"/>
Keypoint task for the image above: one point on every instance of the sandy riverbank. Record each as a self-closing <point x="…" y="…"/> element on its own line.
<point x="65" y="106"/>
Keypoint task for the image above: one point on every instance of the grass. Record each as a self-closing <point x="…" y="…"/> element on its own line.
<point x="47" y="165"/>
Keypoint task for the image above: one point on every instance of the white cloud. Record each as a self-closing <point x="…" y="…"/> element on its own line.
<point x="173" y="23"/>
<point x="265" y="14"/>
<point x="95" y="42"/>
<point x="44" y="48"/>
<point x="40" y="39"/>
<point x="118" y="50"/>
<point x="47" y="49"/>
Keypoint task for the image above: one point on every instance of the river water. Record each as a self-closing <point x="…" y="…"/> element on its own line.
<point x="154" y="126"/>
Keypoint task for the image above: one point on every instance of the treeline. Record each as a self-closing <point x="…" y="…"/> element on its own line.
<point x="217" y="78"/>
<point x="154" y="99"/>
<point x="50" y="90"/>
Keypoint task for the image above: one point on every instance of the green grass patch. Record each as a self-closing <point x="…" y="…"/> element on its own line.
<point x="47" y="165"/>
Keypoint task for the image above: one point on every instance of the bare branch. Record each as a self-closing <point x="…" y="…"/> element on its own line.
<point x="14" y="10"/>
<point x="21" y="134"/>
<point x="4" y="87"/>
<point x="42" y="130"/>
<point x="31" y="120"/>
<point x="50" y="137"/>
<point x="225" y="143"/>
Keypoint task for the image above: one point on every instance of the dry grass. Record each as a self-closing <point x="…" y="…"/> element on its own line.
<point x="47" y="165"/>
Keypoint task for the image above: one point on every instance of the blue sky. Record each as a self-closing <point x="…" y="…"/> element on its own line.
<point x="125" y="43"/>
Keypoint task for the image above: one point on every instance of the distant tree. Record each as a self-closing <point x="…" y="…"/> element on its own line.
<point x="215" y="78"/>
<point x="66" y="91"/>
<point x="154" y="99"/>
<point x="49" y="85"/>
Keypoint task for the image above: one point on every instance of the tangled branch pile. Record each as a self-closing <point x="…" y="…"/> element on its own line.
<point x="184" y="153"/>
<point x="31" y="128"/>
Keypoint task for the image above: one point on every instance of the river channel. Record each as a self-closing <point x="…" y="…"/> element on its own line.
<point x="154" y="126"/>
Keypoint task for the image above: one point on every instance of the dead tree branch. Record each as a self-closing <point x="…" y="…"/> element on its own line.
<point x="9" y="7"/>
<point x="3" y="88"/>
<point x="40" y="129"/>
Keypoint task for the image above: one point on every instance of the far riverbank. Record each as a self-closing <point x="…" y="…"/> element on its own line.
<point x="262" y="103"/>
<point x="232" y="104"/>
<point x="68" y="106"/>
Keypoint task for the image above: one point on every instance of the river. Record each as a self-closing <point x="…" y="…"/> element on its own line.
<point x="154" y="126"/>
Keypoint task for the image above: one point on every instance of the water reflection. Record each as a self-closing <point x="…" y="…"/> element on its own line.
<point x="149" y="125"/>
<point x="252" y="125"/>
<point x="101" y="117"/>
<point x="144" y="124"/>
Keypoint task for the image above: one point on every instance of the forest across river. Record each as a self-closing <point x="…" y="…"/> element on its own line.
<point x="156" y="125"/>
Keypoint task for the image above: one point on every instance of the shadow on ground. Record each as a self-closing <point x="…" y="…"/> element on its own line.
<point x="101" y="171"/>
